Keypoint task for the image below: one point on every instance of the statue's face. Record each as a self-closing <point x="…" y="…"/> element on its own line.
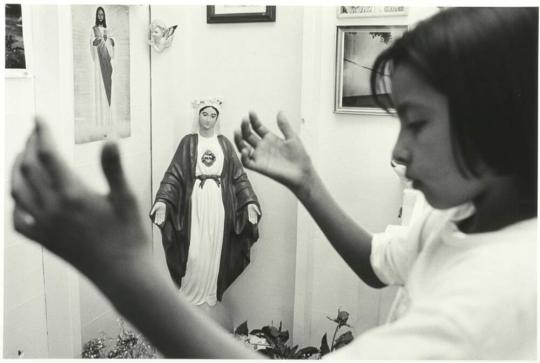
<point x="208" y="118"/>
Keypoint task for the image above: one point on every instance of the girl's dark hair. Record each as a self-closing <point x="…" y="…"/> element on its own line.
<point x="204" y="108"/>
<point x="485" y="61"/>
<point x="104" y="17"/>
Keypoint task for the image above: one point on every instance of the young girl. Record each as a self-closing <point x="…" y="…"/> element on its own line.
<point x="464" y="85"/>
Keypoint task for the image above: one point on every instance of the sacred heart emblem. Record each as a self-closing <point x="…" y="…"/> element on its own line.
<point x="208" y="158"/>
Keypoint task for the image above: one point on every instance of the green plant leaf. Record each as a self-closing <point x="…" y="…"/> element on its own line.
<point x="325" y="349"/>
<point x="242" y="329"/>
<point x="343" y="339"/>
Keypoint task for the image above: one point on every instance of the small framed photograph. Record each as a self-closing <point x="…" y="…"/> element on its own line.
<point x="240" y="13"/>
<point x="17" y="40"/>
<point x="370" y="11"/>
<point x="357" y="47"/>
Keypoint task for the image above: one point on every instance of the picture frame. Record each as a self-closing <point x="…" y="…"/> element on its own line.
<point x="356" y="50"/>
<point x="216" y="14"/>
<point x="18" y="50"/>
<point x="101" y="53"/>
<point x="370" y="11"/>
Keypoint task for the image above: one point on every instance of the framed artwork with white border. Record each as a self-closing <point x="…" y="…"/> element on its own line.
<point x="356" y="50"/>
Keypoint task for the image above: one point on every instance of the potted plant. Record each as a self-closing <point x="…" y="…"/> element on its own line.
<point x="127" y="344"/>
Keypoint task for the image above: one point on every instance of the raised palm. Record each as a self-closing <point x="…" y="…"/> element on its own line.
<point x="284" y="160"/>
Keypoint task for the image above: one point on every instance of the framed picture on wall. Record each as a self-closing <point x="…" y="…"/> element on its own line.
<point x="370" y="11"/>
<point x="240" y="13"/>
<point x="101" y="72"/>
<point x="357" y="47"/>
<point x="17" y="40"/>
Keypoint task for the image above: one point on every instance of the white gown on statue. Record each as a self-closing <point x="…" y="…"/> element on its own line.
<point x="199" y="285"/>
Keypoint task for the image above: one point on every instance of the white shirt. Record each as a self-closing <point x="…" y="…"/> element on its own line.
<point x="469" y="296"/>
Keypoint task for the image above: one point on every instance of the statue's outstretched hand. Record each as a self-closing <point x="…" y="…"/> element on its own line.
<point x="284" y="160"/>
<point x="98" y="234"/>
<point x="160" y="209"/>
<point x="253" y="213"/>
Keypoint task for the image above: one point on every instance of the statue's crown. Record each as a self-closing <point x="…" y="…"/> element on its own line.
<point x="201" y="103"/>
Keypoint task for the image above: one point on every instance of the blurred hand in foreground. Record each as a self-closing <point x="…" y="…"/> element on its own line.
<point x="98" y="234"/>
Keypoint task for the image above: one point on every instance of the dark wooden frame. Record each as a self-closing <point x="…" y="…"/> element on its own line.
<point x="269" y="15"/>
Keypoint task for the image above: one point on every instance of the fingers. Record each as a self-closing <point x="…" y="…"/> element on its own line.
<point x="57" y="170"/>
<point x="257" y="125"/>
<point x="246" y="150"/>
<point x="252" y="216"/>
<point x="247" y="159"/>
<point x="253" y="213"/>
<point x="247" y="134"/>
<point x="32" y="172"/>
<point x="160" y="217"/>
<point x="112" y="168"/>
<point x="25" y="224"/>
<point x="241" y="144"/>
<point x="285" y="126"/>
<point x="160" y="210"/>
<point x="21" y="193"/>
<point x="120" y="194"/>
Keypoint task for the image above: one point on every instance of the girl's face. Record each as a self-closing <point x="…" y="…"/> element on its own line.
<point x="424" y="144"/>
<point x="208" y="118"/>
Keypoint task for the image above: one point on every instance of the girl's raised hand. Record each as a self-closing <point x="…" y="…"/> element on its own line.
<point x="282" y="159"/>
<point x="98" y="234"/>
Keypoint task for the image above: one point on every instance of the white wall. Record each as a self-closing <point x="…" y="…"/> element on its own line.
<point x="252" y="66"/>
<point x="24" y="295"/>
<point x="41" y="311"/>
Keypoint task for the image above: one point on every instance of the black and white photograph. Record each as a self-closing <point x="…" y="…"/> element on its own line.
<point x="14" y="42"/>
<point x="352" y="11"/>
<point x="284" y="183"/>
<point x="101" y="63"/>
<point x="357" y="48"/>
